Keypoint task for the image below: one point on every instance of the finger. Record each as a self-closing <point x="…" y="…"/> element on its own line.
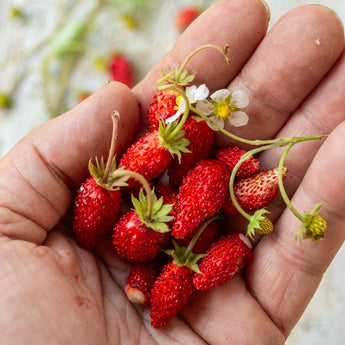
<point x="320" y="113"/>
<point x="240" y="23"/>
<point x="288" y="64"/>
<point x="284" y="275"/>
<point x="232" y="316"/>
<point x="38" y="176"/>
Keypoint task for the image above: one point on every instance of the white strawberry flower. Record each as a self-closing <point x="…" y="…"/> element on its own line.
<point x="224" y="107"/>
<point x="194" y="94"/>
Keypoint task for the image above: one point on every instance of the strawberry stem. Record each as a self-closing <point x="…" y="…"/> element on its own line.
<point x="128" y="173"/>
<point x="115" y="116"/>
<point x="281" y="184"/>
<point x="224" y="51"/>
<point x="197" y="235"/>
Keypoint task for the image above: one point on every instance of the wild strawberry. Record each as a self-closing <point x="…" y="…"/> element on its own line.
<point x="201" y="139"/>
<point x="96" y="209"/>
<point x="140" y="234"/>
<point x="186" y="16"/>
<point x="170" y="293"/>
<point x="231" y="155"/>
<point x="151" y="154"/>
<point x="201" y="195"/>
<point x="204" y="241"/>
<point x="120" y="69"/>
<point x="255" y="192"/>
<point x="224" y="259"/>
<point x="140" y="282"/>
<point x="97" y="203"/>
<point x="162" y="107"/>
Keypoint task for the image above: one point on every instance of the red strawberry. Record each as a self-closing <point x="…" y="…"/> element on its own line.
<point x="140" y="283"/>
<point x="255" y="192"/>
<point x="231" y="155"/>
<point x="162" y="107"/>
<point x="135" y="242"/>
<point x="170" y="293"/>
<point x="186" y="16"/>
<point x="201" y="195"/>
<point x="147" y="156"/>
<point x="224" y="259"/>
<point x="96" y="209"/>
<point x="207" y="237"/>
<point x="140" y="235"/>
<point x="97" y="203"/>
<point x="201" y="139"/>
<point x="120" y="69"/>
<point x="151" y="154"/>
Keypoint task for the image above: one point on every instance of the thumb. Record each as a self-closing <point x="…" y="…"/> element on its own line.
<point x="39" y="174"/>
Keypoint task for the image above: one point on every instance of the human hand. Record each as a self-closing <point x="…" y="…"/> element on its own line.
<point x="55" y="292"/>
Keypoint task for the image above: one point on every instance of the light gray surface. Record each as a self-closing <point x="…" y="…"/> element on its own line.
<point x="322" y="322"/>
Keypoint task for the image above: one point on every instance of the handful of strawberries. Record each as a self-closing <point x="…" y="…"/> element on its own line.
<point x="180" y="187"/>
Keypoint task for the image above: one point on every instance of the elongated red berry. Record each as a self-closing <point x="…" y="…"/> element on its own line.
<point x="201" y="139"/>
<point x="170" y="293"/>
<point x="201" y="195"/>
<point x="231" y="155"/>
<point x="224" y="259"/>
<point x="120" y="69"/>
<point x="255" y="192"/>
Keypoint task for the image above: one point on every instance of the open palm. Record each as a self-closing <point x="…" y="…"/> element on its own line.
<point x="54" y="292"/>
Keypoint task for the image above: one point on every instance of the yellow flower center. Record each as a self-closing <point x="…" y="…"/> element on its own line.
<point x="178" y="101"/>
<point x="223" y="110"/>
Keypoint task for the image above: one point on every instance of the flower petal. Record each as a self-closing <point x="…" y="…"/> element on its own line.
<point x="205" y="107"/>
<point x="216" y="120"/>
<point x="220" y="95"/>
<point x="201" y="92"/>
<point x="174" y="117"/>
<point x="238" y="119"/>
<point x="240" y="98"/>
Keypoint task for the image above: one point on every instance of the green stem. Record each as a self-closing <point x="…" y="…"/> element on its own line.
<point x="197" y="235"/>
<point x="234" y="171"/>
<point x="115" y="116"/>
<point x="224" y="51"/>
<point x="232" y="136"/>
<point x="281" y="184"/>
<point x="144" y="183"/>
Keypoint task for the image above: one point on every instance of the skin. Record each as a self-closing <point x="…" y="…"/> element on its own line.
<point x="55" y="292"/>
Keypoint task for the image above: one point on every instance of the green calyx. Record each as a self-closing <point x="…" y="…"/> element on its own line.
<point x="107" y="181"/>
<point x="259" y="223"/>
<point x="172" y="138"/>
<point x="183" y="257"/>
<point x="155" y="215"/>
<point x="313" y="227"/>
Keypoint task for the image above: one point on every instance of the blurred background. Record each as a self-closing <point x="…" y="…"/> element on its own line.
<point x="54" y="53"/>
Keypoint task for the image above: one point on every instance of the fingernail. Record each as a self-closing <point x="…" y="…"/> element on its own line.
<point x="267" y="9"/>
